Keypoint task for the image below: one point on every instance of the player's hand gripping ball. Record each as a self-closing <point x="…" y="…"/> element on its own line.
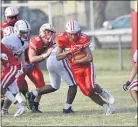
<point x="79" y="55"/>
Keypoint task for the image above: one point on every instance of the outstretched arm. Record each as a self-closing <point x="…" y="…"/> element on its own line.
<point x="33" y="57"/>
<point x="133" y="72"/>
<point x="60" y="54"/>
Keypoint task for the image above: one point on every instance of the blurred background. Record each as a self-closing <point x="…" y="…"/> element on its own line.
<point x="107" y="22"/>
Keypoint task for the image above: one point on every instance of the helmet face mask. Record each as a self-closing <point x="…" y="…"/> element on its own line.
<point x="47" y="32"/>
<point x="11" y="15"/>
<point x="73" y="30"/>
<point x="73" y="37"/>
<point x="22" y="29"/>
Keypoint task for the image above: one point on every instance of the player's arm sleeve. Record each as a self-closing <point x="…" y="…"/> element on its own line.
<point x="87" y="41"/>
<point x="32" y="45"/>
<point x="59" y="42"/>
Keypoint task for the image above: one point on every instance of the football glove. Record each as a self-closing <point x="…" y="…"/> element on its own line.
<point x="125" y="86"/>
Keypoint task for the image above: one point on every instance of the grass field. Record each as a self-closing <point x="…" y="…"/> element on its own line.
<point x="87" y="113"/>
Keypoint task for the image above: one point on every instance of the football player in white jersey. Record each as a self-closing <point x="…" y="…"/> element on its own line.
<point x="132" y="85"/>
<point x="17" y="42"/>
<point x="56" y="69"/>
<point x="60" y="70"/>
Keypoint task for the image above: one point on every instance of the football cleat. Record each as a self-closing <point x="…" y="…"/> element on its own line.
<point x="35" y="108"/>
<point x="108" y="109"/>
<point x="30" y="100"/>
<point x="20" y="110"/>
<point x="67" y="111"/>
<point x="107" y="97"/>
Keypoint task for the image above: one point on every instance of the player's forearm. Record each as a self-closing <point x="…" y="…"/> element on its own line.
<point x="86" y="59"/>
<point x="133" y="73"/>
<point x="62" y="55"/>
<point x="22" y="59"/>
<point x="35" y="59"/>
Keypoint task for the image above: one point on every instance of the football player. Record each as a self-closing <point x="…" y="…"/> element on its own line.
<point x="12" y="69"/>
<point x="18" y="42"/>
<point x="6" y="32"/>
<point x="56" y="69"/>
<point x="12" y="16"/>
<point x="132" y="85"/>
<point x="83" y="69"/>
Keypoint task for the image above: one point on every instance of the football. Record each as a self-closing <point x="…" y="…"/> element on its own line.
<point x="79" y="55"/>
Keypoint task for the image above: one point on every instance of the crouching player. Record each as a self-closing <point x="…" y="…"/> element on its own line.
<point x="132" y="85"/>
<point x="12" y="69"/>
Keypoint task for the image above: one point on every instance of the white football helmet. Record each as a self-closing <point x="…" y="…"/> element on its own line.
<point x="11" y="11"/>
<point x="72" y="27"/>
<point x="22" y="29"/>
<point x="47" y="36"/>
<point x="8" y="31"/>
<point x="47" y="26"/>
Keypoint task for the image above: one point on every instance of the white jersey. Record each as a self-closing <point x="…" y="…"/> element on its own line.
<point x="14" y="43"/>
<point x="135" y="56"/>
<point x="59" y="69"/>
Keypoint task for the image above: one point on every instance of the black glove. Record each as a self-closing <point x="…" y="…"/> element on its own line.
<point x="125" y="86"/>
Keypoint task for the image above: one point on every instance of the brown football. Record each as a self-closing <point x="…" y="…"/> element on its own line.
<point x="79" y="55"/>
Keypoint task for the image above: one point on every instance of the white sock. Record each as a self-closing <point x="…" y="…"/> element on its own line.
<point x="35" y="93"/>
<point x="19" y="98"/>
<point x="67" y="106"/>
<point x="17" y="105"/>
<point x="10" y="96"/>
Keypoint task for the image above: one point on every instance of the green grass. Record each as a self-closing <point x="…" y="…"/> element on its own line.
<point x="87" y="113"/>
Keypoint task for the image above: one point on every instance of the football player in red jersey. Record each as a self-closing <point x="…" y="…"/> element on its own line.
<point x="12" y="69"/>
<point x="56" y="69"/>
<point x="11" y="16"/>
<point x="70" y="42"/>
<point x="39" y="49"/>
<point x="18" y="43"/>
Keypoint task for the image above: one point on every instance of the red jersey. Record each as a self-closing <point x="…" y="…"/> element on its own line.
<point x="11" y="59"/>
<point x="3" y="25"/>
<point x="63" y="42"/>
<point x="37" y="44"/>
